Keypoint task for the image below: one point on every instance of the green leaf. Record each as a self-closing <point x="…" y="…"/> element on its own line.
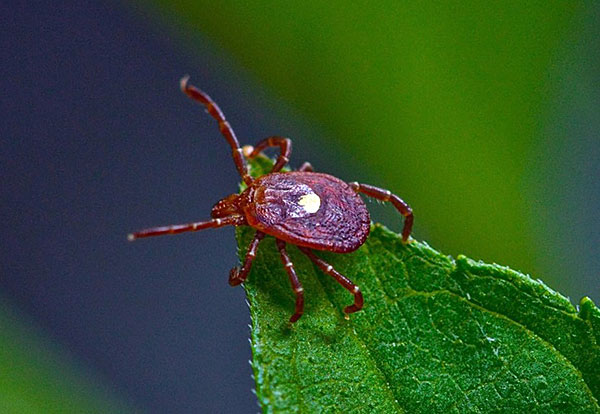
<point x="436" y="335"/>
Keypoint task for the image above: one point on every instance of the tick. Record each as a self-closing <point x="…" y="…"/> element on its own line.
<point x="314" y="211"/>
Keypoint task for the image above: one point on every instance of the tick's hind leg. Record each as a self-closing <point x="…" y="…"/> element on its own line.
<point x="340" y="278"/>
<point x="237" y="275"/>
<point x="285" y="144"/>
<point x="386" y="195"/>
<point x="296" y="285"/>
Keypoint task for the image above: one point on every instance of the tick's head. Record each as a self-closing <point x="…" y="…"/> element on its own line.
<point x="226" y="207"/>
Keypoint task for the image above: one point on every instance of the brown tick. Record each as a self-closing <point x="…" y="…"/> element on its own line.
<point x="314" y="211"/>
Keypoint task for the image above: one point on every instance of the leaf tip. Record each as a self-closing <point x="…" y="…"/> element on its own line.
<point x="587" y="308"/>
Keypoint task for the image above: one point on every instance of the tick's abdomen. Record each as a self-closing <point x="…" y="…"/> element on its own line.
<point x="308" y="209"/>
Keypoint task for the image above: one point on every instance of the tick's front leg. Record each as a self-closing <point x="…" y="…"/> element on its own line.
<point x="285" y="145"/>
<point x="226" y="130"/>
<point x="182" y="228"/>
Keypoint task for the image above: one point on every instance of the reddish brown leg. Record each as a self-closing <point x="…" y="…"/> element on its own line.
<point x="340" y="278"/>
<point x="296" y="285"/>
<point x="386" y="195"/>
<point x="306" y="167"/>
<point x="285" y="144"/>
<point x="214" y="110"/>
<point x="237" y="275"/>
<point x="181" y="228"/>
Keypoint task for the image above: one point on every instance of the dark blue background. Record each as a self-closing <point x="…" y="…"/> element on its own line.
<point x="98" y="141"/>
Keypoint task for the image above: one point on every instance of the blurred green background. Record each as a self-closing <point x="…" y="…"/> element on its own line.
<point x="483" y="116"/>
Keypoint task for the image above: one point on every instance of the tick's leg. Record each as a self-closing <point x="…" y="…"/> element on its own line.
<point x="237" y="275"/>
<point x="306" y="167"/>
<point x="296" y="285"/>
<point x="340" y="278"/>
<point x="285" y="144"/>
<point x="214" y="110"/>
<point x="181" y="228"/>
<point x="386" y="195"/>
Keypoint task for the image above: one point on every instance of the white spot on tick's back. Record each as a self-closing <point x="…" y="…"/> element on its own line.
<point x="289" y="199"/>
<point x="310" y="202"/>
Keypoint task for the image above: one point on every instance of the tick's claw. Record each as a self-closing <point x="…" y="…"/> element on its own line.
<point x="183" y="82"/>
<point x="351" y="309"/>
<point x="295" y="317"/>
<point x="234" y="277"/>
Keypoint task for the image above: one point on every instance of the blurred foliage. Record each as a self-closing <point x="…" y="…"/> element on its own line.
<point x="444" y="101"/>
<point x="36" y="378"/>
<point x="435" y="335"/>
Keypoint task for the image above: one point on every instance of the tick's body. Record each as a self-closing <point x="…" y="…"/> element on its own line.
<point x="307" y="209"/>
<point x="311" y="210"/>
